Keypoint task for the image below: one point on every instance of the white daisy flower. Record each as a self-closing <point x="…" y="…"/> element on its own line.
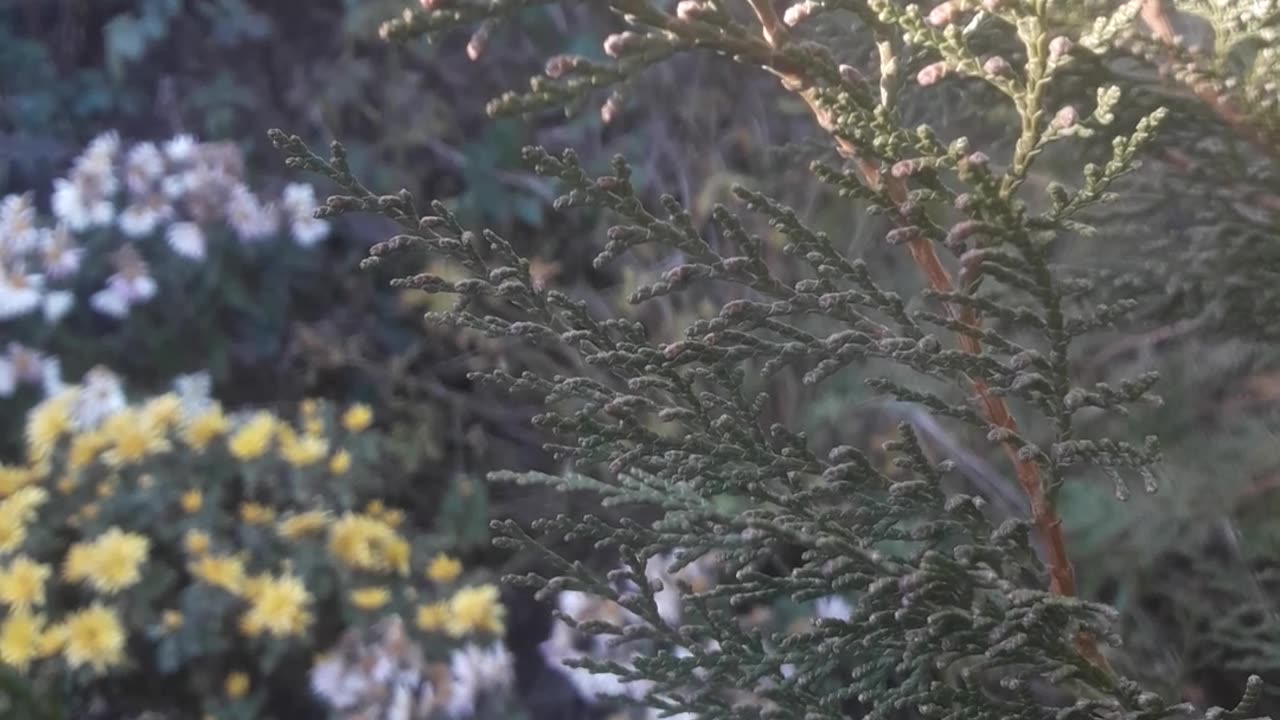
<point x="340" y="684"/>
<point x="8" y="381"/>
<point x="195" y="390"/>
<point x="475" y="671"/>
<point x="187" y="240"/>
<point x="180" y="148"/>
<point x="61" y="257"/>
<point x="110" y="301"/>
<point x="18" y="231"/>
<point x="308" y="231"/>
<point x="250" y="219"/>
<point x="57" y="304"/>
<point x="105" y="145"/>
<point x="298" y="199"/>
<point x="69" y="204"/>
<point x="51" y="376"/>
<point x="78" y="202"/>
<point x="101" y="396"/>
<point x="143" y="165"/>
<point x="141" y="219"/>
<point x="833" y="606"/>
<point x="20" y="293"/>
<point x="174" y="186"/>
<point x="28" y="364"/>
<point x="138" y="287"/>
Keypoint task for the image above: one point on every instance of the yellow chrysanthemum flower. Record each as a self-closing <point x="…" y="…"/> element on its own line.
<point x="164" y="412"/>
<point x="433" y="617"/>
<point x="191" y="501"/>
<point x="133" y="439"/>
<point x="94" y="637"/>
<point x="203" y="429"/>
<point x="394" y="518"/>
<point x="236" y="685"/>
<point x="358" y="417"/>
<point x="196" y="542"/>
<point x="20" y="636"/>
<point x="444" y="569"/>
<point x="53" y="640"/>
<point x="48" y="422"/>
<point x="370" y="598"/>
<point x="77" y="563"/>
<point x="85" y="449"/>
<point x="24" y="502"/>
<point x="222" y="571"/>
<point x="313" y="426"/>
<point x="111" y="563"/>
<point x="22" y="583"/>
<point x="302" y="524"/>
<point x="13" y="532"/>
<point x="252" y="513"/>
<point x="16" y="512"/>
<point x="340" y="463"/>
<point x="14" y="478"/>
<point x="253" y="439"/>
<point x="366" y="543"/>
<point x="279" y="608"/>
<point x="475" y="609"/>
<point x="302" y="451"/>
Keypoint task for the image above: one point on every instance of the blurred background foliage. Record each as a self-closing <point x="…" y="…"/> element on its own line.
<point x="1194" y="570"/>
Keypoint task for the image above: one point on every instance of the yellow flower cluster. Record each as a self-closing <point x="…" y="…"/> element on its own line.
<point x="470" y="610"/>
<point x="16" y="513"/>
<point x="364" y="542"/>
<point x="278" y="606"/>
<point x="93" y="637"/>
<point x="111" y="563"/>
<point x="253" y="439"/>
<point x="94" y="451"/>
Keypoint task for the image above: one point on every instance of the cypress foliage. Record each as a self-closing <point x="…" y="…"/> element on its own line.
<point x="953" y="616"/>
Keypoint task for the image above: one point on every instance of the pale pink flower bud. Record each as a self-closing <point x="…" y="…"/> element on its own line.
<point x="689" y="10"/>
<point x="977" y="159"/>
<point x="996" y="65"/>
<point x="478" y="42"/>
<point x="616" y="44"/>
<point x="931" y="74"/>
<point x="942" y="14"/>
<point x="1066" y="117"/>
<point x="610" y="110"/>
<point x="797" y="13"/>
<point x="558" y="65"/>
<point x="1059" y="47"/>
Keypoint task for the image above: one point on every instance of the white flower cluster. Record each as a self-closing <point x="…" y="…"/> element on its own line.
<point x="389" y="679"/>
<point x="178" y="190"/>
<point x="567" y="644"/>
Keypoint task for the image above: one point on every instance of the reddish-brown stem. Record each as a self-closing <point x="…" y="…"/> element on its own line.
<point x="1043" y="514"/>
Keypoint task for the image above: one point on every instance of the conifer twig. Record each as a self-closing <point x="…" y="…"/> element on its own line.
<point x="1043" y="514"/>
<point x="1157" y="20"/>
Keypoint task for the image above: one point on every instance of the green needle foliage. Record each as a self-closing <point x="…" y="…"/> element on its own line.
<point x="954" y="615"/>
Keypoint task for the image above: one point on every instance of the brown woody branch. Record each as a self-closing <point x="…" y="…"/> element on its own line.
<point x="1043" y="514"/>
